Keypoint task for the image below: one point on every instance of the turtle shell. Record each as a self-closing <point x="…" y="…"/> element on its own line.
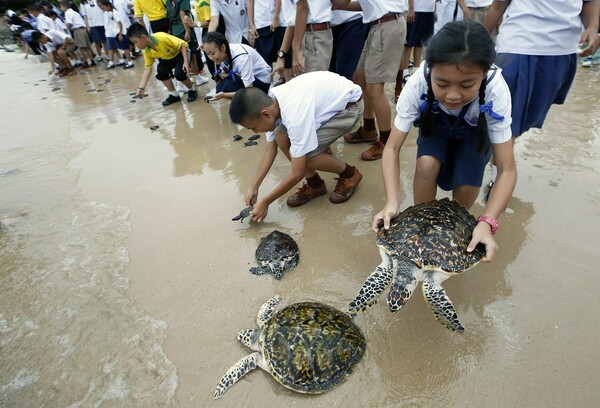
<point x="276" y="246"/>
<point x="434" y="236"/>
<point x="311" y="347"/>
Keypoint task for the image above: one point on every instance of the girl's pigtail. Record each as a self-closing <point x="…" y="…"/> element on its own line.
<point x="483" y="137"/>
<point x="427" y="121"/>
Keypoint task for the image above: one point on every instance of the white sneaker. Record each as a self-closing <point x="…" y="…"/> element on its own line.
<point x="201" y="79"/>
<point x="180" y="87"/>
<point x="98" y="58"/>
<point x="128" y="65"/>
<point x="587" y="61"/>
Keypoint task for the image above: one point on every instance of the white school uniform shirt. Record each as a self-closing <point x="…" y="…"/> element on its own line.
<point x="343" y="16"/>
<point x="121" y="6"/>
<point x="319" y="11"/>
<point x="288" y="11"/>
<point x="478" y="3"/>
<point x="94" y="13"/>
<point x="549" y="27"/>
<point x="496" y="91"/>
<point x="249" y="64"/>
<point x="236" y="18"/>
<point x="111" y="24"/>
<point x="309" y="101"/>
<point x="44" y="23"/>
<point x="59" y="25"/>
<point x="74" y="18"/>
<point x="424" y="6"/>
<point x="375" y="9"/>
<point x="57" y="39"/>
<point x="264" y="10"/>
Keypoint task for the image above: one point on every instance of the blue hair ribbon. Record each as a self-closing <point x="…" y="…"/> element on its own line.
<point x="487" y="108"/>
<point x="423" y="105"/>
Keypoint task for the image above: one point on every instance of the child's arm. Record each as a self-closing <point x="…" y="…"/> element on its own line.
<point x="120" y="35"/>
<point x="285" y="47"/>
<point x="52" y="62"/>
<point x="390" y="168"/>
<point x="183" y="16"/>
<point x="299" y="30"/>
<point x="253" y="34"/>
<point x="275" y="22"/>
<point x="186" y="60"/>
<point x="261" y="172"/>
<point x="465" y="9"/>
<point x="261" y="208"/>
<point x="346" y="5"/>
<point x="499" y="197"/>
<point x="142" y="86"/>
<point x="590" y="14"/>
<point x="494" y="14"/>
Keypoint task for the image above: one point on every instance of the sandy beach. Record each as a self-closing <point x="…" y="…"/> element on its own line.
<point x="124" y="280"/>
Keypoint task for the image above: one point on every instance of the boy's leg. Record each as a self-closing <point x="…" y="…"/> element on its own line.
<point x="181" y="76"/>
<point x="163" y="74"/>
<point x="367" y="132"/>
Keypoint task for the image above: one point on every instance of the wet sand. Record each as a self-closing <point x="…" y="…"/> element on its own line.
<point x="530" y="316"/>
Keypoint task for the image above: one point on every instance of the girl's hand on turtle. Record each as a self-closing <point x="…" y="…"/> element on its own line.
<point x="483" y="234"/>
<point x="259" y="211"/>
<point x="384" y="217"/>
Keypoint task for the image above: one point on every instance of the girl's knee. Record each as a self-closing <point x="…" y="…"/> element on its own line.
<point x="428" y="168"/>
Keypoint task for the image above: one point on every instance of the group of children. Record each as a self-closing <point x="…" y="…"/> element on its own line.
<point x="468" y="110"/>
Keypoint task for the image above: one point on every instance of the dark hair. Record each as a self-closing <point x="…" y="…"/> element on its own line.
<point x="66" y="3"/>
<point x="136" y="30"/>
<point x="218" y="39"/>
<point x="107" y="3"/>
<point x="459" y="42"/>
<point x="36" y="7"/>
<point x="247" y="104"/>
<point x="51" y="13"/>
<point x="35" y="36"/>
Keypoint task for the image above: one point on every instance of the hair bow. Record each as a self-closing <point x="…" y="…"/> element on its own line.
<point x="423" y="106"/>
<point x="487" y="108"/>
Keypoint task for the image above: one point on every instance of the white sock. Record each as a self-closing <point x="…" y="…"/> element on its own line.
<point x="121" y="61"/>
<point x="494" y="172"/>
<point x="190" y="87"/>
<point x="174" y="93"/>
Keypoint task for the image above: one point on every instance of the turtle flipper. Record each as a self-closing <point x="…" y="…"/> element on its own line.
<point x="249" y="337"/>
<point x="237" y="371"/>
<point x="373" y="286"/>
<point x="260" y="270"/>
<point x="266" y="311"/>
<point x="405" y="282"/>
<point x="439" y="302"/>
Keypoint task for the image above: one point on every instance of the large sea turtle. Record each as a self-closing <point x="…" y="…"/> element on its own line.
<point x="276" y="253"/>
<point x="427" y="242"/>
<point x="307" y="347"/>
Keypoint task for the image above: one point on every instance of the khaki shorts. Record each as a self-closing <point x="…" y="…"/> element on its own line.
<point x="340" y="124"/>
<point x="81" y="37"/>
<point x="381" y="55"/>
<point x="69" y="48"/>
<point x="317" y="49"/>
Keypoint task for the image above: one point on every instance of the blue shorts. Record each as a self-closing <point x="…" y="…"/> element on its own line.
<point x="232" y="85"/>
<point x="348" y="41"/>
<point x="97" y="34"/>
<point x="461" y="163"/>
<point x="535" y="82"/>
<point x="420" y="30"/>
<point x="113" y="43"/>
<point x="269" y="42"/>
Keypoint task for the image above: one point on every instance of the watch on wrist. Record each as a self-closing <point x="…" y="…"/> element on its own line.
<point x="280" y="54"/>
<point x="492" y="222"/>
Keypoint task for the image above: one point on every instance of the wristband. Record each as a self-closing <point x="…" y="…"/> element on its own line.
<point x="492" y="222"/>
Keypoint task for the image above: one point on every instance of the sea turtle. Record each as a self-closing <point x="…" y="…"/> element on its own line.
<point x="250" y="143"/>
<point x="237" y="138"/>
<point x="254" y="137"/>
<point x="307" y="347"/>
<point x="243" y="214"/>
<point x="277" y="252"/>
<point x="427" y="242"/>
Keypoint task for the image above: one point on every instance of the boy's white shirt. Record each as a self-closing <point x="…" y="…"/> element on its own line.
<point x="57" y="39"/>
<point x="375" y="9"/>
<point x="236" y="19"/>
<point x="44" y="23"/>
<point x="74" y="18"/>
<point x="264" y="10"/>
<point x="319" y="11"/>
<point x="496" y="91"/>
<point x="307" y="102"/>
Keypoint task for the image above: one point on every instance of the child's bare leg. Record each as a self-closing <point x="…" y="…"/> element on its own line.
<point x="425" y="181"/>
<point x="283" y="143"/>
<point x="325" y="162"/>
<point x="359" y="79"/>
<point x="127" y="55"/>
<point x="168" y="83"/>
<point x="188" y="83"/>
<point x="466" y="195"/>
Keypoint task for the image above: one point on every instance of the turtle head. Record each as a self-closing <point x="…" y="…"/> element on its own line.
<point x="397" y="297"/>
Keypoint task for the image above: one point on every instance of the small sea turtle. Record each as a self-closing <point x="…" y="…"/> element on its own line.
<point x="243" y="214"/>
<point x="307" y="347"/>
<point x="250" y="143"/>
<point x="427" y="242"/>
<point x="237" y="138"/>
<point x="277" y="252"/>
<point x="254" y="137"/>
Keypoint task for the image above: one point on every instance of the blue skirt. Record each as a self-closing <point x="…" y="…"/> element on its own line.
<point x="536" y="82"/>
<point x="419" y="31"/>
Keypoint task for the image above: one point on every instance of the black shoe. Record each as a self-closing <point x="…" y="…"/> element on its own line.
<point x="192" y="95"/>
<point x="171" y="99"/>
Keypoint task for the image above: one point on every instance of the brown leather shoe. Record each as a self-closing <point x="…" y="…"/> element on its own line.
<point x="374" y="152"/>
<point x="361" y="136"/>
<point x="345" y="188"/>
<point x="305" y="194"/>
